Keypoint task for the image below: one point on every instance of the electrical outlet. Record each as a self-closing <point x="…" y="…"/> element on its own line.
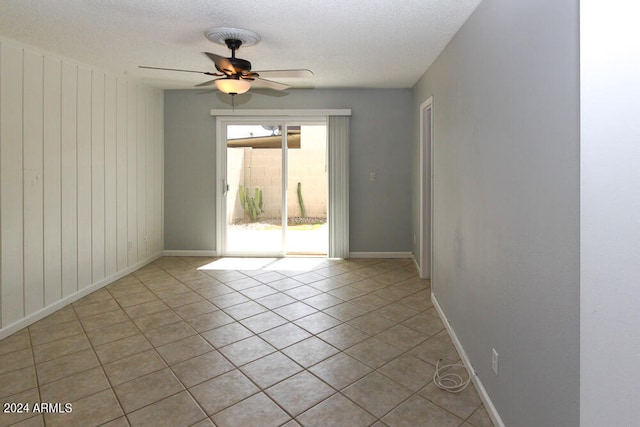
<point x="494" y="361"/>
<point x="129" y="244"/>
<point x="372" y="176"/>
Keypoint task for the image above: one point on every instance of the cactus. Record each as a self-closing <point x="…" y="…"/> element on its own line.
<point x="301" y="202"/>
<point x="252" y="205"/>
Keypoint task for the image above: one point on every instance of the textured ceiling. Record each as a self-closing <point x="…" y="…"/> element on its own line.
<point x="346" y="43"/>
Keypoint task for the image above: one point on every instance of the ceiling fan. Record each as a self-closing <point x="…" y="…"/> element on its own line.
<point x="234" y="75"/>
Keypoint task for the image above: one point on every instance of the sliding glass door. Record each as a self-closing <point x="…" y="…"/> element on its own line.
<point x="273" y="177"/>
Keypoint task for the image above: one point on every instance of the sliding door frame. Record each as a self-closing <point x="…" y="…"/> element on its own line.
<point x="221" y="174"/>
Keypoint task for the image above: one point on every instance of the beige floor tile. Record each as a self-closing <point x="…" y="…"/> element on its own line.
<point x="268" y="277"/>
<point x="369" y="285"/>
<point x="148" y="389"/>
<point x="310" y="351"/>
<point x="227" y="334"/>
<point x="419" y="301"/>
<point x="284" y="335"/>
<point x="97" y="296"/>
<point x="202" y="368"/>
<point x="480" y="418"/>
<point x="345" y="311"/>
<point x="295" y="311"/>
<point x="275" y="300"/>
<point x="285" y="284"/>
<point x="409" y="371"/>
<point x="313" y="359"/>
<point x="374" y="352"/>
<point x="300" y="392"/>
<point x="303" y="292"/>
<point x="168" y="333"/>
<point x="401" y="337"/>
<point x="66" y="365"/>
<point x="15" y="360"/>
<point x="12" y="418"/>
<point x="308" y="278"/>
<point x="145" y="309"/>
<point x="343" y="336"/>
<point x="247" y="350"/>
<point x="223" y="391"/>
<point x="99" y="408"/>
<point x="104" y="319"/>
<point x="377" y="393"/>
<point x="371" y="323"/>
<point x="194" y="309"/>
<point x="340" y="370"/>
<point x="462" y="404"/>
<point x="347" y="292"/>
<point x="425" y="323"/>
<point x="184" y="349"/>
<point x="243" y="283"/>
<point x="17" y="381"/>
<point x="18" y="341"/>
<point x="263" y="322"/>
<point x="256" y="411"/>
<point x="336" y="411"/>
<point x="171" y="291"/>
<point x="433" y="349"/>
<point x="270" y="369"/>
<point x="183" y="299"/>
<point x="396" y="312"/>
<point x="43" y="335"/>
<point x="258" y="291"/>
<point x="134" y="366"/>
<point x="118" y="422"/>
<point x="122" y="348"/>
<point x="156" y="320"/>
<point x="34" y="421"/>
<point x="206" y="322"/>
<point x="137" y="298"/>
<point x="112" y="333"/>
<point x="244" y="310"/>
<point x="317" y="322"/>
<point x="178" y="410"/>
<point x="75" y="387"/>
<point x="322" y="301"/>
<point x="228" y="299"/>
<point x="419" y="412"/>
<point x="91" y="309"/>
<point x="61" y="347"/>
<point x="63" y="315"/>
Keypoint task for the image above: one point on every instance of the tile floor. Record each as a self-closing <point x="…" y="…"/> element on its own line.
<point x="242" y="342"/>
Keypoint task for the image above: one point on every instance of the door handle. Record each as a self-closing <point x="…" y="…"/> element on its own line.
<point x="225" y="187"/>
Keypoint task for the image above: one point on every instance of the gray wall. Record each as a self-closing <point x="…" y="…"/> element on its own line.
<point x="380" y="211"/>
<point x="506" y="205"/>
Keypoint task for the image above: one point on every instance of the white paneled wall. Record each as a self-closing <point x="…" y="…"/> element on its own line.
<point x="81" y="181"/>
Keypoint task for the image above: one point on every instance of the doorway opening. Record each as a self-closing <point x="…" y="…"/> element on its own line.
<point x="426" y="189"/>
<point x="275" y="188"/>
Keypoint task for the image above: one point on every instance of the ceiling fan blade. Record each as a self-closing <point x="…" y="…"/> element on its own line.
<point x="285" y="73"/>
<point x="178" y="69"/>
<point x="223" y="64"/>
<point x="268" y="84"/>
<point x="209" y="83"/>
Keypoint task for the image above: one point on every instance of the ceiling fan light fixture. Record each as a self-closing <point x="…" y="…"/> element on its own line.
<point x="221" y="35"/>
<point x="232" y="86"/>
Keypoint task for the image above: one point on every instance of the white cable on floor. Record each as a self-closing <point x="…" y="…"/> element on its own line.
<point x="452" y="383"/>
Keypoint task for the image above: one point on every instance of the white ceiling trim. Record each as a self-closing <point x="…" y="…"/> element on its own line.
<point x="281" y="113"/>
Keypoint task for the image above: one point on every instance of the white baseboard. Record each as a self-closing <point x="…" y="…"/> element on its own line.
<point x="482" y="392"/>
<point x="34" y="317"/>
<point x="190" y="253"/>
<point x="380" y="255"/>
